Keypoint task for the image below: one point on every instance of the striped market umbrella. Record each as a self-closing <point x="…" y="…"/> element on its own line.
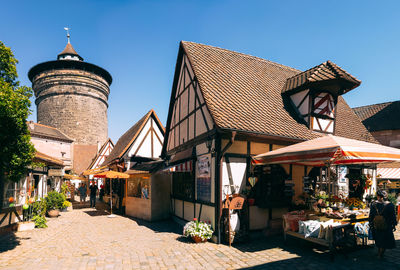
<point x="330" y="149"/>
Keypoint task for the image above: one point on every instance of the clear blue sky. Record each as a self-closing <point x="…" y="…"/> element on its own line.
<point x="137" y="42"/>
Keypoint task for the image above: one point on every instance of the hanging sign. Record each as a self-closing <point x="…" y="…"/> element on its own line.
<point x="203" y="179"/>
<point x="203" y="166"/>
<point x="55" y="172"/>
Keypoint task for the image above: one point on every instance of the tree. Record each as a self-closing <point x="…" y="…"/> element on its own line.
<point x="16" y="150"/>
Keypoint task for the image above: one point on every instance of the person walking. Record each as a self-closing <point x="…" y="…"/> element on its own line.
<point x="82" y="193"/>
<point x="93" y="192"/>
<point x="382" y="220"/>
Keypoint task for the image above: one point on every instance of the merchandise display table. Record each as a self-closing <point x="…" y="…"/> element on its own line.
<point x="339" y="235"/>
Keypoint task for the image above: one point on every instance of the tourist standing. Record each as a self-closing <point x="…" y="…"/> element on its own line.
<point x="382" y="220"/>
<point x="82" y="192"/>
<point x="93" y="192"/>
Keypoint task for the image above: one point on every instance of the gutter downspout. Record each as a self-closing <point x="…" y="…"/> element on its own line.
<point x="220" y="160"/>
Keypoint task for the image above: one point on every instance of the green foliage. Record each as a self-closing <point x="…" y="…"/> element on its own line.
<point x="54" y="200"/>
<point x="392" y="198"/>
<point x="65" y="189"/>
<point x="39" y="208"/>
<point x="16" y="150"/>
<point x="38" y="165"/>
<point x="40" y="221"/>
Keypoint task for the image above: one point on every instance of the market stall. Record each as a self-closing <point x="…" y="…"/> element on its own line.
<point x="112" y="175"/>
<point x="331" y="219"/>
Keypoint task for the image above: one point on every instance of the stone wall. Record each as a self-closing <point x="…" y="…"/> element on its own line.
<point x="75" y="102"/>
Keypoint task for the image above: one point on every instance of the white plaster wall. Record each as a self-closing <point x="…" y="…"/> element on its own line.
<point x="238" y="168"/>
<point x="207" y="213"/>
<point x="145" y="148"/>
<point x="139" y="139"/>
<point x="189" y="211"/>
<point x="54" y="148"/>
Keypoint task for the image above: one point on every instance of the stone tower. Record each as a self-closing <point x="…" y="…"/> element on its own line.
<point x="72" y="96"/>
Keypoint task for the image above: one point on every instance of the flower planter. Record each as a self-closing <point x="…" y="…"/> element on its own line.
<point x="53" y="213"/>
<point x="26" y="226"/>
<point x="198" y="239"/>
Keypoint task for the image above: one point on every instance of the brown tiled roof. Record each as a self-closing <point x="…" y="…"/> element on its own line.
<point x="69" y="50"/>
<point x="243" y="92"/>
<point x="126" y="140"/>
<point x="40" y="157"/>
<point x="99" y="152"/>
<point x="83" y="154"/>
<point x="383" y="116"/>
<point x="43" y="131"/>
<point x="325" y="72"/>
<point x="389" y="165"/>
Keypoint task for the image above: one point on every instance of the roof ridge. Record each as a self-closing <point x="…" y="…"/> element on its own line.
<point x="370" y="105"/>
<point x="243" y="54"/>
<point x="142" y="121"/>
<point x="317" y="67"/>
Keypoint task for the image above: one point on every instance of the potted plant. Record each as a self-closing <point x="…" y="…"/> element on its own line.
<point x="67" y="206"/>
<point x="199" y="231"/>
<point x="39" y="212"/>
<point x="54" y="202"/>
<point x="27" y="213"/>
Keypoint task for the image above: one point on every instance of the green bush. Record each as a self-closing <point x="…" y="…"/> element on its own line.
<point x="54" y="200"/>
<point x="40" y="221"/>
<point x="39" y="208"/>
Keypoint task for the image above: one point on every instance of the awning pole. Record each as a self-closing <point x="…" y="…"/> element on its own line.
<point x="111" y="199"/>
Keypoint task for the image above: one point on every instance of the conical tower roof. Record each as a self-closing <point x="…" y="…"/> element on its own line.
<point x="69" y="51"/>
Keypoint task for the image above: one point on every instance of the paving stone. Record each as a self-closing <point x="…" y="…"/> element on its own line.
<point x="81" y="240"/>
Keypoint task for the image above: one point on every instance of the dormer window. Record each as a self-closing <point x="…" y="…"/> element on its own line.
<point x="322" y="117"/>
<point x="314" y="94"/>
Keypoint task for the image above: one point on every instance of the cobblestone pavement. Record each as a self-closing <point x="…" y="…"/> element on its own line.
<point x="88" y="239"/>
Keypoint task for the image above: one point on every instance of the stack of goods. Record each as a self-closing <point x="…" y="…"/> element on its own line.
<point x="316" y="229"/>
<point x="292" y="220"/>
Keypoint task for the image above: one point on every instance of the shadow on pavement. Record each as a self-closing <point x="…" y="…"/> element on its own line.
<point x="310" y="255"/>
<point x="95" y="213"/>
<point x="9" y="241"/>
<point x="162" y="226"/>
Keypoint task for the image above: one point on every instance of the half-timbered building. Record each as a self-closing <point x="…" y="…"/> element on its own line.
<point x="226" y="107"/>
<point x="146" y="191"/>
<point x="104" y="151"/>
<point x="382" y="121"/>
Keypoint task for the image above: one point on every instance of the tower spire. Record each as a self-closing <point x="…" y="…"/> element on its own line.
<point x="68" y="36"/>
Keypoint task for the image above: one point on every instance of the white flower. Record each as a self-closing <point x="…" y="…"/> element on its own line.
<point x="198" y="228"/>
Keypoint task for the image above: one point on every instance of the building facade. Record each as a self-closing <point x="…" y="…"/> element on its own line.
<point x="382" y="121"/>
<point x="226" y="107"/>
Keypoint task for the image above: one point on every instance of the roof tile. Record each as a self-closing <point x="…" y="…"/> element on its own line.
<point x="243" y="92"/>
